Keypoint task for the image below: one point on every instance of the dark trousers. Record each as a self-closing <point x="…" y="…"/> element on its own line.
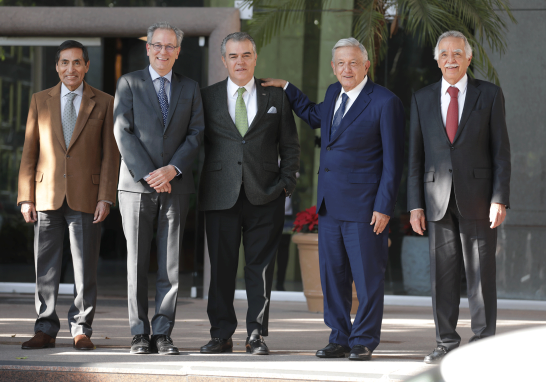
<point x="454" y="239"/>
<point x="352" y="251"/>
<point x="261" y="228"/>
<point x="49" y="233"/>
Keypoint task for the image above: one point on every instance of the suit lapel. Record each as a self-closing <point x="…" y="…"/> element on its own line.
<point x="223" y="110"/>
<point x="437" y="97"/>
<point x="332" y="103"/>
<point x="152" y="94"/>
<point x="358" y="106"/>
<point x="54" y="106"/>
<point x="472" y="95"/>
<point x="86" y="107"/>
<point x="176" y="89"/>
<point x="262" y="98"/>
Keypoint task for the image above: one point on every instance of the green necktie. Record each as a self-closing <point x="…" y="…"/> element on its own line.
<point x="241" y="118"/>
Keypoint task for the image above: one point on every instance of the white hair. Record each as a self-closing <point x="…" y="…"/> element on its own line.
<point x="165" y="25"/>
<point x="456" y="34"/>
<point x="351" y="41"/>
<point x="237" y="37"/>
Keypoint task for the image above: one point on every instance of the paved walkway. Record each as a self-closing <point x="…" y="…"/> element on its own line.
<point x="295" y="334"/>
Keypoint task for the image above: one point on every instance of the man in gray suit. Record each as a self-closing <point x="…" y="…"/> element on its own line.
<point x="158" y="124"/>
<point x="243" y="189"/>
<point x="459" y="181"/>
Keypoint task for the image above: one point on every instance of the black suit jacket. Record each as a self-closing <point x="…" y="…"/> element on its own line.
<point x="477" y="163"/>
<point x="231" y="158"/>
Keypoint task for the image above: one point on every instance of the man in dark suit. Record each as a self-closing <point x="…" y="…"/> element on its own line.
<point x="459" y="181"/>
<point x="158" y="124"/>
<point x="243" y="189"/>
<point x="68" y="175"/>
<point x="361" y="157"/>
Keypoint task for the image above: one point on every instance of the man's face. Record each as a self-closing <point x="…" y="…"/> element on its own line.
<point x="349" y="66"/>
<point x="162" y="61"/>
<point x="240" y="61"/>
<point x="452" y="59"/>
<point x="72" y="68"/>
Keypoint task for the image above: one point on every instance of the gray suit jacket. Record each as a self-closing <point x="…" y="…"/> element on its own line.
<point x="231" y="158"/>
<point x="477" y="163"/>
<point x="144" y="143"/>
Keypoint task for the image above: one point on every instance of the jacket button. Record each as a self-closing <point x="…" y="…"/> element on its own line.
<point x="326" y="169"/>
<point x="450" y="170"/>
<point x="238" y="162"/>
<point x="164" y="137"/>
<point x="452" y="147"/>
<point x="161" y="154"/>
<point x="244" y="142"/>
<point x="64" y="175"/>
<point x="328" y="148"/>
<point x="68" y="156"/>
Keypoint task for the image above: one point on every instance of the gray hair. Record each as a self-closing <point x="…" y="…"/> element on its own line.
<point x="238" y="37"/>
<point x="165" y="25"/>
<point x="351" y="41"/>
<point x="456" y="34"/>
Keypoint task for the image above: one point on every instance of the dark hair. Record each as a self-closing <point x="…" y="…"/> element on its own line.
<point x="69" y="44"/>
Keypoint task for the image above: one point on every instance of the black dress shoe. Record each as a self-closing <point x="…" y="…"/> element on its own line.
<point x="140" y="344"/>
<point x="255" y="345"/>
<point x="218" y="345"/>
<point x="437" y="354"/>
<point x="333" y="351"/>
<point x="360" y="353"/>
<point x="163" y="345"/>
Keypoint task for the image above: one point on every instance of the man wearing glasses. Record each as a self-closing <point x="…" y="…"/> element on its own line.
<point x="158" y="125"/>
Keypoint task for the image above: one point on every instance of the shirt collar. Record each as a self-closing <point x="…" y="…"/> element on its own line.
<point x="155" y="76"/>
<point x="353" y="93"/>
<point x="461" y="85"/>
<point x="78" y="91"/>
<point x="232" y="87"/>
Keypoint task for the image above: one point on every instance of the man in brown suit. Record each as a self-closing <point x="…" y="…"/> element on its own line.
<point x="68" y="175"/>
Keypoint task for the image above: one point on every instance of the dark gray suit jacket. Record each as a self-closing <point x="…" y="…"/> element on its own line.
<point x="231" y="158"/>
<point x="144" y="143"/>
<point x="477" y="162"/>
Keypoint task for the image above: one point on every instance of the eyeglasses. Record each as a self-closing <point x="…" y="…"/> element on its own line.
<point x="159" y="47"/>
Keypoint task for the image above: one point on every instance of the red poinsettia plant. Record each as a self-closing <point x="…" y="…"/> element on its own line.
<point x="306" y="221"/>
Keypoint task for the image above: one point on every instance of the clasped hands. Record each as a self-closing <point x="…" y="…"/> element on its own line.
<point x="497" y="214"/>
<point x="160" y="179"/>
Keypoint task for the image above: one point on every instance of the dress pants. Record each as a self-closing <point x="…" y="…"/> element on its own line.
<point x="352" y="251"/>
<point x="452" y="240"/>
<point x="49" y="233"/>
<point x="138" y="212"/>
<point x="261" y="228"/>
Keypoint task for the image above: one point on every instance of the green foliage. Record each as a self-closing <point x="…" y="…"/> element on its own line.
<point x="481" y="21"/>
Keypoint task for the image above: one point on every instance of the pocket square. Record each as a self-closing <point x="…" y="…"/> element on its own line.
<point x="272" y="110"/>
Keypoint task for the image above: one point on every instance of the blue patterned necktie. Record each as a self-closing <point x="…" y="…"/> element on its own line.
<point x="163" y="100"/>
<point x="338" y="116"/>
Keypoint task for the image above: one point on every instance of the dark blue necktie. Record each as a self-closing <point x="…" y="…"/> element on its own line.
<point x="338" y="116"/>
<point x="163" y="100"/>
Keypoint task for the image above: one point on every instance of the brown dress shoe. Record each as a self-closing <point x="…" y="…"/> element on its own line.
<point x="39" y="341"/>
<point x="82" y="342"/>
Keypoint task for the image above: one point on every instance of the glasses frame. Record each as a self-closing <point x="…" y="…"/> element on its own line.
<point x="168" y="48"/>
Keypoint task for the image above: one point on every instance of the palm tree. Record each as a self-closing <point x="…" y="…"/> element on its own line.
<point x="375" y="21"/>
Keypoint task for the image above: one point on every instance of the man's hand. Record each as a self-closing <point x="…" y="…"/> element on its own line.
<point x="101" y="212"/>
<point x="497" y="214"/>
<point x="380" y="220"/>
<point x="160" y="178"/>
<point x="418" y="221"/>
<point x="29" y="212"/>
<point x="274" y="82"/>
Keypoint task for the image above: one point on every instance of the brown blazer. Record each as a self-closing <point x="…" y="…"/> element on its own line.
<point x="85" y="173"/>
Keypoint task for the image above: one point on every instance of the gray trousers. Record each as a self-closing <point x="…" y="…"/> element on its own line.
<point x="49" y="233"/>
<point x="454" y="239"/>
<point x="138" y="212"/>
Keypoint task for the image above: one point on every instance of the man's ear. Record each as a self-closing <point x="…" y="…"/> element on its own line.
<point x="333" y="67"/>
<point x="224" y="62"/>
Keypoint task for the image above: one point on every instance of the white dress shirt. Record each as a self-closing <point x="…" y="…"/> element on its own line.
<point x="249" y="97"/>
<point x="77" y="101"/>
<point x="445" y="98"/>
<point x="157" y="83"/>
<point x="352" y="95"/>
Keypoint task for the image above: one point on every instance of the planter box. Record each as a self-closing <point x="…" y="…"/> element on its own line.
<point x="416" y="265"/>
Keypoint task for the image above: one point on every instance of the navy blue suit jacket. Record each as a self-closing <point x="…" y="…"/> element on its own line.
<point x="361" y="165"/>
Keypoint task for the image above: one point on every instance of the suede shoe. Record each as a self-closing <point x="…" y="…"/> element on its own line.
<point x="360" y="353"/>
<point x="163" y="345"/>
<point x="39" y="341"/>
<point x="255" y="345"/>
<point x="437" y="354"/>
<point x="218" y="345"/>
<point x="333" y="351"/>
<point x="82" y="342"/>
<point x="140" y="344"/>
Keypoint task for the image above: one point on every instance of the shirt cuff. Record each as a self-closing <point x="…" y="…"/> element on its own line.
<point x="178" y="172"/>
<point x="417" y="209"/>
<point x="285" y="86"/>
<point x="106" y="201"/>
